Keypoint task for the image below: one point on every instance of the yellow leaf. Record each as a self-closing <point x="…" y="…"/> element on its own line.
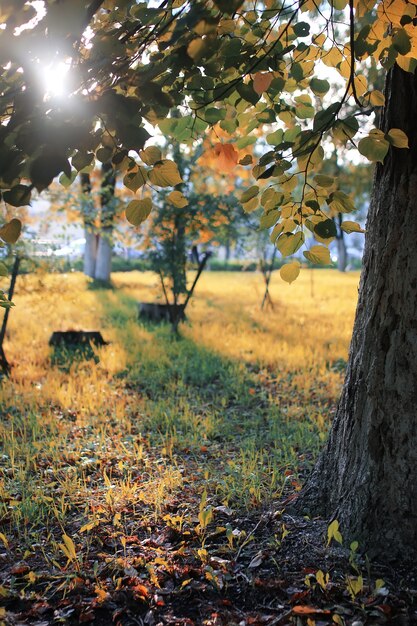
<point x="138" y="210"/>
<point x="318" y="255"/>
<point x="10" y="232"/>
<point x="134" y="180"/>
<point x="177" y="199"/>
<point x="68" y="548"/>
<point x="377" y="98"/>
<point x="289" y="243"/>
<point x="165" y="174"/>
<point x="262" y="81"/>
<point x="4" y="539"/>
<point x="290" y="271"/>
<point x="397" y="138"/>
<point x="31" y="577"/>
<point x="150" y="155"/>
<point x="351" y="227"/>
<point x="333" y="532"/>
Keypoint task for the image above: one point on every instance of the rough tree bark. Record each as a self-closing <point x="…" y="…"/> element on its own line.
<point x="367" y="475"/>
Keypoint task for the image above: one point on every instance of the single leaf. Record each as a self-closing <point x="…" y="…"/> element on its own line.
<point x="18" y="195"/>
<point x="324" y="181"/>
<point x="289" y="243"/>
<point x="373" y="148"/>
<point x="250" y="193"/>
<point x="177" y="199"/>
<point x="138" y="210"/>
<point x="319" y="86"/>
<point x="351" y="227"/>
<point x="165" y="174"/>
<point x="290" y="271"/>
<point x="326" y="229"/>
<point x="135" y="180"/>
<point x="397" y="138"/>
<point x="150" y="155"/>
<point x="318" y="255"/>
<point x="3" y="269"/>
<point x="10" y="232"/>
<point x="262" y="81"/>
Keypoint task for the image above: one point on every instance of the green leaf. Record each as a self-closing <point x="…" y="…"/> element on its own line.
<point x="3" y="269"/>
<point x="318" y="255"/>
<point x="10" y="232"/>
<point x="325" y="229"/>
<point x="289" y="243"/>
<point x="401" y="41"/>
<point x="319" y="87"/>
<point x="213" y="115"/>
<point x="138" y="210"/>
<point x="324" y="181"/>
<point x="301" y="29"/>
<point x="18" y="195"/>
<point x="373" y="148"/>
<point x="249" y="194"/>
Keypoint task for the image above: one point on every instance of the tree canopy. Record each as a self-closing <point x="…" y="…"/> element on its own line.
<point x="256" y="74"/>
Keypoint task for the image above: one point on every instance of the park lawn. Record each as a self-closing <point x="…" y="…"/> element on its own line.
<point x="143" y="479"/>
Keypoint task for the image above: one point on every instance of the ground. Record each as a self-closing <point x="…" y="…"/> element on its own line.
<point x="147" y="481"/>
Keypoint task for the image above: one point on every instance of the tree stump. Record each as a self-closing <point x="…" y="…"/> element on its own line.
<point x="74" y="338"/>
<point x="161" y="312"/>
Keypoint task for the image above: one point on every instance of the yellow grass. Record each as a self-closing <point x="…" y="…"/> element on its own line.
<point x="243" y="393"/>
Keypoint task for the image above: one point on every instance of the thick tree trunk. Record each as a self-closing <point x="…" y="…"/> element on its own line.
<point x="367" y="476"/>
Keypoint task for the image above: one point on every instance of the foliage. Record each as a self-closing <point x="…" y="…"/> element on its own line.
<point x="248" y="71"/>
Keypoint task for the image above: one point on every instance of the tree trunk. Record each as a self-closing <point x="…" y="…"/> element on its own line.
<point x="341" y="247"/>
<point x="366" y="477"/>
<point x="88" y="213"/>
<point x="90" y="252"/>
<point x="105" y="243"/>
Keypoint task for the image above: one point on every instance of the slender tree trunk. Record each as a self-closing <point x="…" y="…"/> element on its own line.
<point x="90" y="252"/>
<point x="341" y="247"/>
<point x="105" y="243"/>
<point x="91" y="238"/>
<point x="367" y="475"/>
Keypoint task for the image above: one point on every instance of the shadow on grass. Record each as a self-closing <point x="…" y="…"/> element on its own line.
<point x="198" y="396"/>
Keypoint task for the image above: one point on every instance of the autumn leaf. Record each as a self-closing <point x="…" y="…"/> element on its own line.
<point x="150" y="155"/>
<point x="290" y="271"/>
<point x="138" y="210"/>
<point x="10" y="232"/>
<point x="177" y="199"/>
<point x="262" y="81"/>
<point x="165" y="174"/>
<point x="318" y="255"/>
<point x="227" y="157"/>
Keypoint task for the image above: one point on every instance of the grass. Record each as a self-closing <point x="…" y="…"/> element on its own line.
<point x="158" y="434"/>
